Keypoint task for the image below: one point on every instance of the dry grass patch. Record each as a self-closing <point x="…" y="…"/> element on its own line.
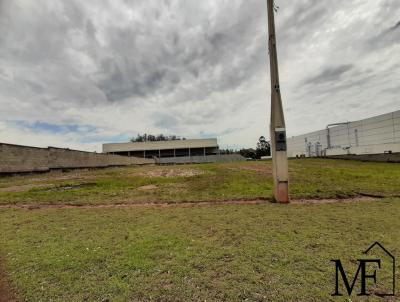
<point x="172" y="172"/>
<point x="146" y="188"/>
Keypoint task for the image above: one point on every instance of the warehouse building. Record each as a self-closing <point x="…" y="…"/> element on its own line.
<point x="164" y="149"/>
<point x="375" y="135"/>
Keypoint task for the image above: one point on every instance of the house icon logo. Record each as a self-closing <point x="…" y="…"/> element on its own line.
<point x="379" y="273"/>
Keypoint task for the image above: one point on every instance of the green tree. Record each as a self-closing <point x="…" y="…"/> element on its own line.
<point x="263" y="148"/>
<point x="248" y="153"/>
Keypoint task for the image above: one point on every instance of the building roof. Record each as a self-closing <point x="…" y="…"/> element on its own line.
<point x="161" y="145"/>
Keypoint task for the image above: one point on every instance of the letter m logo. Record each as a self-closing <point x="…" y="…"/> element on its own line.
<point x="349" y="287"/>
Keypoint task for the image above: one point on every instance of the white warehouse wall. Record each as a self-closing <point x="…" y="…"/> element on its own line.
<point x="373" y="135"/>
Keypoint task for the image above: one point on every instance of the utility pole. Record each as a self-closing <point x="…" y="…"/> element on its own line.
<point x="277" y="126"/>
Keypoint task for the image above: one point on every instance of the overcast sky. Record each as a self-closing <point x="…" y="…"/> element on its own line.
<point x="79" y="73"/>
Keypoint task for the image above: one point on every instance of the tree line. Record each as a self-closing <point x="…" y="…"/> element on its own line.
<point x="263" y="148"/>
<point x="155" y="138"/>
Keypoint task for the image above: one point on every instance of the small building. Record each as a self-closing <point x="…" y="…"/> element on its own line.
<point x="163" y="149"/>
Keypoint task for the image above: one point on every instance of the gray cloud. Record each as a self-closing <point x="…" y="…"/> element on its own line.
<point x="193" y="67"/>
<point x="329" y="74"/>
<point x="395" y="26"/>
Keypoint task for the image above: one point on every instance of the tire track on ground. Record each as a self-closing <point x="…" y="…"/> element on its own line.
<point x="33" y="206"/>
<point x="6" y="292"/>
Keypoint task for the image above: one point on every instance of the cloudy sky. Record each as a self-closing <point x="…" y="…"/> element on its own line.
<point x="79" y="73"/>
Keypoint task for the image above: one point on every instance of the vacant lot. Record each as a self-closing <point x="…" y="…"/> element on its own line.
<point x="240" y="180"/>
<point x="255" y="252"/>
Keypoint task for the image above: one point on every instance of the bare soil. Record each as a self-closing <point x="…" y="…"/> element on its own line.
<point x="22" y="188"/>
<point x="176" y="172"/>
<point x="6" y="293"/>
<point x="181" y="204"/>
<point x="333" y="200"/>
<point x="146" y="188"/>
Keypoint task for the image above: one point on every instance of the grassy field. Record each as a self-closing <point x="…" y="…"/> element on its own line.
<point x="311" y="178"/>
<point x="264" y="252"/>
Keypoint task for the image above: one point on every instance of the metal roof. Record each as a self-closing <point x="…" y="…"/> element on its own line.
<point x="160" y="145"/>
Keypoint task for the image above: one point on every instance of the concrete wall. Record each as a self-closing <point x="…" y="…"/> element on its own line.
<point x="390" y="158"/>
<point x="370" y="149"/>
<point x="16" y="158"/>
<point x="369" y="136"/>
<point x="200" y="159"/>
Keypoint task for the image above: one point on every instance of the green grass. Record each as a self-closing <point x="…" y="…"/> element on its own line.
<point x="266" y="252"/>
<point x="311" y="178"/>
<point x="263" y="252"/>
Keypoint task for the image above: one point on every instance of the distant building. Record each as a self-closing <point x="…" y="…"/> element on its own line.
<point x="375" y="135"/>
<point x="164" y="149"/>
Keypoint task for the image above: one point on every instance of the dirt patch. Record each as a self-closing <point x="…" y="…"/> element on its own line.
<point x="147" y="188"/>
<point x="183" y="203"/>
<point x="23" y="188"/>
<point x="333" y="200"/>
<point x="6" y="292"/>
<point x="46" y="187"/>
<point x="52" y="176"/>
<point x="173" y="173"/>
<point x="132" y="205"/>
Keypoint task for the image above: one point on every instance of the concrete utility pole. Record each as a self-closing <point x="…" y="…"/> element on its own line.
<point x="277" y="127"/>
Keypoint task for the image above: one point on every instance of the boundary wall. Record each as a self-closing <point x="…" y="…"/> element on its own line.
<point x="17" y="158"/>
<point x="382" y="157"/>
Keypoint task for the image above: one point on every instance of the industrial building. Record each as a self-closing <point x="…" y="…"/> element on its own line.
<point x="164" y="149"/>
<point x="375" y="135"/>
